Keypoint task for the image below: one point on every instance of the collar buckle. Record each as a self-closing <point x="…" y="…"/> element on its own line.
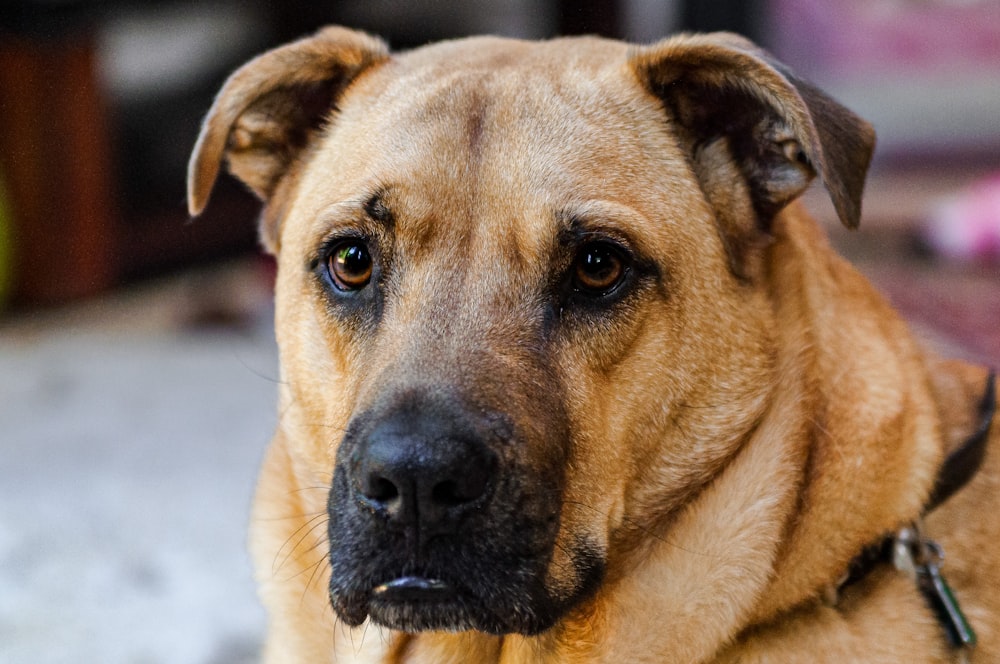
<point x="921" y="558"/>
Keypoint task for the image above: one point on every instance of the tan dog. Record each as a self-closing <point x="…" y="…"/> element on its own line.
<point x="567" y="377"/>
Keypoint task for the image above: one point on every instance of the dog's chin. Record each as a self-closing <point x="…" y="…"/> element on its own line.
<point x="443" y="608"/>
<point x="418" y="603"/>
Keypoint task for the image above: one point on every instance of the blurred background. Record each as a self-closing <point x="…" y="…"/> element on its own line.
<point x="137" y="363"/>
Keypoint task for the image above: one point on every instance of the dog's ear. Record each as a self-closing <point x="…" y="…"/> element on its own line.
<point x="266" y="111"/>
<point x="739" y="109"/>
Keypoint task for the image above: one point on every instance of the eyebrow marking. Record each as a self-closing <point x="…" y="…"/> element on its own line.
<point x="377" y="209"/>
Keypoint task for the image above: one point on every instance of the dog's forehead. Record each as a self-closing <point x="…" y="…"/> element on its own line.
<point x="499" y="101"/>
<point x="476" y="129"/>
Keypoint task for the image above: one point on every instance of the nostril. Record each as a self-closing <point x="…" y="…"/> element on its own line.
<point x="380" y="489"/>
<point x="452" y="492"/>
<point x="447" y="493"/>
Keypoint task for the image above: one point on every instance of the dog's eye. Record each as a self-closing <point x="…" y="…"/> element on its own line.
<point x="599" y="268"/>
<point x="350" y="265"/>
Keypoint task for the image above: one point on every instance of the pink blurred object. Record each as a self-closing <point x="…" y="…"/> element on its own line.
<point x="847" y="37"/>
<point x="966" y="226"/>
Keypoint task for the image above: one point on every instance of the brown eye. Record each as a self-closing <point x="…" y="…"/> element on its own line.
<point x="599" y="267"/>
<point x="350" y="265"/>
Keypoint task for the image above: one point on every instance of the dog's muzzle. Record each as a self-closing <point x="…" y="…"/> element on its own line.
<point x="442" y="518"/>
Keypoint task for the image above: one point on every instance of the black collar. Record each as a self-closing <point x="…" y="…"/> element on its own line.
<point x="963" y="463"/>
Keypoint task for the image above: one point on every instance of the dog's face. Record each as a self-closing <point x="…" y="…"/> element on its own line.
<point x="495" y="284"/>
<point x="518" y="320"/>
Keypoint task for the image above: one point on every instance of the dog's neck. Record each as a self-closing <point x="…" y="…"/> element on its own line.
<point x="854" y="355"/>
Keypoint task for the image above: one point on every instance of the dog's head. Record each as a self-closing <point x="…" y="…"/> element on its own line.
<point x="518" y="305"/>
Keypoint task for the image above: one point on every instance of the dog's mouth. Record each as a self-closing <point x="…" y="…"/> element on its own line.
<point x="417" y="603"/>
<point x="482" y="594"/>
<point x="413" y="589"/>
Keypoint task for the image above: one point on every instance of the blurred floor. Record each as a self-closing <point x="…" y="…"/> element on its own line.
<point x="132" y="429"/>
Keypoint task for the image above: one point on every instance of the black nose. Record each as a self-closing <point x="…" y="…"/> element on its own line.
<point x="423" y="473"/>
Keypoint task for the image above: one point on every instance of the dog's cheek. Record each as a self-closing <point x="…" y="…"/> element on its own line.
<point x="709" y="392"/>
<point x="315" y="394"/>
<point x="597" y="472"/>
<point x="614" y="373"/>
<point x="604" y="364"/>
<point x="656" y="410"/>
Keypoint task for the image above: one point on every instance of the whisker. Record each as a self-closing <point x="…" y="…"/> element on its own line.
<point x="314" y="573"/>
<point x="307" y="568"/>
<point x="309" y="526"/>
<point x="303" y="489"/>
<point x="289" y="517"/>
<point x="322" y="539"/>
<point x="322" y="563"/>
<point x="254" y="371"/>
<point x="364" y="635"/>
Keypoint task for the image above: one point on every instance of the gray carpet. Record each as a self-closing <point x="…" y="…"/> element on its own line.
<point x="130" y="435"/>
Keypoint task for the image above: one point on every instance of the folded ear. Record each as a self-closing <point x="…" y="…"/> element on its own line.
<point x="268" y="109"/>
<point x="739" y="109"/>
